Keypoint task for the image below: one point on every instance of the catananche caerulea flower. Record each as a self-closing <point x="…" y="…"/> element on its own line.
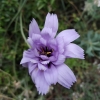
<point x="45" y="59"/>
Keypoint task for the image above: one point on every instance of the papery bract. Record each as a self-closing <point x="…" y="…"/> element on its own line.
<point x="45" y="59"/>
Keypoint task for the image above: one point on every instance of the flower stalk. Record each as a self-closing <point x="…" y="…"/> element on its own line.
<point x="22" y="32"/>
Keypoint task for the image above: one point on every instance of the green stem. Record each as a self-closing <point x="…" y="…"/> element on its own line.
<point x="21" y="29"/>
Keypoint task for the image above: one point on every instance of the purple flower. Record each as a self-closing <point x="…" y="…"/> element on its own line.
<point x="45" y="59"/>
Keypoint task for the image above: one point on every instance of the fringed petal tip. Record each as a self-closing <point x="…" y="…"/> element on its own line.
<point x="33" y="28"/>
<point x="68" y="35"/>
<point x="40" y="81"/>
<point x="74" y="51"/>
<point x="51" y="22"/>
<point x="65" y="76"/>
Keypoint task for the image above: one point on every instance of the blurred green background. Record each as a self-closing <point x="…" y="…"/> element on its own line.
<point x="82" y="15"/>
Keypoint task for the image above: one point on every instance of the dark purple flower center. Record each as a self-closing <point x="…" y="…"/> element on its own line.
<point x="46" y="51"/>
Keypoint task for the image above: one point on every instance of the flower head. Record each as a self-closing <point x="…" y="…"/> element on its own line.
<point x="45" y="59"/>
